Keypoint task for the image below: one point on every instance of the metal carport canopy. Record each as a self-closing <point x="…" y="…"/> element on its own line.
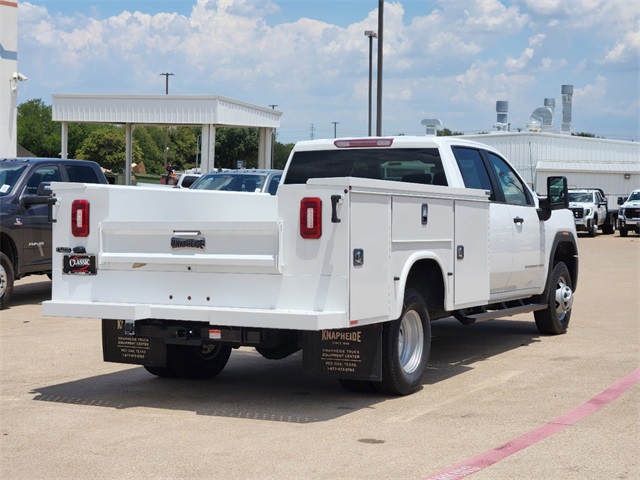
<point x="208" y="111"/>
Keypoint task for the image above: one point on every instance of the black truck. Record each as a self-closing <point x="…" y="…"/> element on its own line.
<point x="25" y="229"/>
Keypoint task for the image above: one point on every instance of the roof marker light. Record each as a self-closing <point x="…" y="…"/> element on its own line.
<point x="363" y="142"/>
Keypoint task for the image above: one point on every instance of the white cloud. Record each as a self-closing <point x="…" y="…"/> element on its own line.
<point x="453" y="60"/>
<point x="625" y="51"/>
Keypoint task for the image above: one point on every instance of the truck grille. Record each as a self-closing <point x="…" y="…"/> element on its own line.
<point x="578" y="212"/>
<point x="632" y="212"/>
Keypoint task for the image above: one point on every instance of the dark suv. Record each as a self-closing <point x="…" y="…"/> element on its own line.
<point x="25" y="231"/>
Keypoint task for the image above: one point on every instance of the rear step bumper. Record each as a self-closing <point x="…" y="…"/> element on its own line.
<point x="232" y="317"/>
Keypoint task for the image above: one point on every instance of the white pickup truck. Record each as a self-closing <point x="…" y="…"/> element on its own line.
<point x="365" y="243"/>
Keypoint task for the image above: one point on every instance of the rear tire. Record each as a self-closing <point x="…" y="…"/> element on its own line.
<point x="197" y="362"/>
<point x="554" y="319"/>
<point x="6" y="280"/>
<point x="406" y="346"/>
<point x="164" y="372"/>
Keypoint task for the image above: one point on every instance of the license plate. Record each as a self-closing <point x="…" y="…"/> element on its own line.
<point x="80" y="264"/>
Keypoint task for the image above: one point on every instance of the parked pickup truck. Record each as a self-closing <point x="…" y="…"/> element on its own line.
<point x="590" y="211"/>
<point x="365" y="243"/>
<point x="629" y="214"/>
<point x="25" y="232"/>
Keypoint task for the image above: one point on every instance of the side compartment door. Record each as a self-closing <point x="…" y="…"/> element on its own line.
<point x="369" y="257"/>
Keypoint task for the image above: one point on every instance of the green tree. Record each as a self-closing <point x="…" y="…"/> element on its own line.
<point x="445" y="132"/>
<point x="182" y="147"/>
<point x="107" y="147"/>
<point x="233" y="144"/>
<point x="147" y="138"/>
<point x="281" y="153"/>
<point x="583" y="134"/>
<point x="36" y="131"/>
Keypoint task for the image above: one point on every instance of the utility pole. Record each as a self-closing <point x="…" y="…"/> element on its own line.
<point x="166" y="129"/>
<point x="380" y="49"/>
<point x="312" y="131"/>
<point x="334" y="128"/>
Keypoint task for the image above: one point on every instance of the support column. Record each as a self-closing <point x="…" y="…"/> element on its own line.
<point x="65" y="140"/>
<point x="265" y="147"/>
<point x="208" y="146"/>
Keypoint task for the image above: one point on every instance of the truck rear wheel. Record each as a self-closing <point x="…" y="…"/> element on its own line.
<point x="6" y="280"/>
<point x="197" y="362"/>
<point x="164" y="372"/>
<point x="554" y="319"/>
<point x="406" y="346"/>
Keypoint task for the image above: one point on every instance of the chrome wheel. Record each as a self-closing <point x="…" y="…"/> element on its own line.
<point x="410" y="342"/>
<point x="564" y="298"/>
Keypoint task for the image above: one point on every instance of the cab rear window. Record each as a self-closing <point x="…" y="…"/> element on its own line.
<point x="398" y="164"/>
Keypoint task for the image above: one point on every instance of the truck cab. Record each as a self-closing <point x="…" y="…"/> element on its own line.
<point x="589" y="207"/>
<point x="629" y="214"/>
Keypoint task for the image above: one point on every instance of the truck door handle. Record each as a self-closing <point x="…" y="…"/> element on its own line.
<point x="335" y="199"/>
<point x="518" y="220"/>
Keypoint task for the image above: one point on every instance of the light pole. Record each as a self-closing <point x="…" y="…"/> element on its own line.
<point x="166" y="129"/>
<point x="380" y="49"/>
<point x="371" y="34"/>
<point x="335" y="124"/>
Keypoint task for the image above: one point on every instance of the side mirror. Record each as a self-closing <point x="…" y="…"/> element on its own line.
<point x="620" y="200"/>
<point x="557" y="193"/>
<point x="44" y="189"/>
<point x="41" y="197"/>
<point x="557" y="197"/>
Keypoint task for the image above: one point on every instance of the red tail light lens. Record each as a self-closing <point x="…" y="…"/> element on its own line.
<point x="311" y="217"/>
<point x="80" y="218"/>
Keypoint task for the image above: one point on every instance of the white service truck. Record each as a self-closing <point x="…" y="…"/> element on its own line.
<point x="365" y="243"/>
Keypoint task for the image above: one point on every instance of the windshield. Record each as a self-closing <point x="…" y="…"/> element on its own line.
<point x="634" y="196"/>
<point x="580" y="197"/>
<point x="9" y="175"/>
<point x="230" y="182"/>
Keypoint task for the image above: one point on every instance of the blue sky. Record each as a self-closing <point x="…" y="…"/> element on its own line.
<point x="450" y="60"/>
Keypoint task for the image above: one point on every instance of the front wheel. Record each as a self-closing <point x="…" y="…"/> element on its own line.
<point x="554" y="319"/>
<point x="6" y="280"/>
<point x="406" y="346"/>
<point x="197" y="362"/>
<point x="593" y="229"/>
<point x="624" y="231"/>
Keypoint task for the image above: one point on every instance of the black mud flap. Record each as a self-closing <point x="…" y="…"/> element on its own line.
<point x="352" y="353"/>
<point x="120" y="348"/>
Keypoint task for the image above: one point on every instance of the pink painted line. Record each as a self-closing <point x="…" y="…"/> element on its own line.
<point x="484" y="460"/>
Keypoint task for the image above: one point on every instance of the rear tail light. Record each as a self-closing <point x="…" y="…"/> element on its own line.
<point x="80" y="218"/>
<point x="311" y="217"/>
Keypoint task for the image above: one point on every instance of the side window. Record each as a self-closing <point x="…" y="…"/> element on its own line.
<point x="45" y="173"/>
<point x="474" y="173"/>
<point x="273" y="185"/>
<point x="81" y="174"/>
<point x="513" y="188"/>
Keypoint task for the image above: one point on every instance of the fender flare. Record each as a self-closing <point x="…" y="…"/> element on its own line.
<point x="400" y="283"/>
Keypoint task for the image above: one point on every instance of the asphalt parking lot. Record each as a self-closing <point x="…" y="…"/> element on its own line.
<point x="500" y="401"/>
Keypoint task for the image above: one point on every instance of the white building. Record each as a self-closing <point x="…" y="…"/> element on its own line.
<point x="9" y="77"/>
<point x="612" y="165"/>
